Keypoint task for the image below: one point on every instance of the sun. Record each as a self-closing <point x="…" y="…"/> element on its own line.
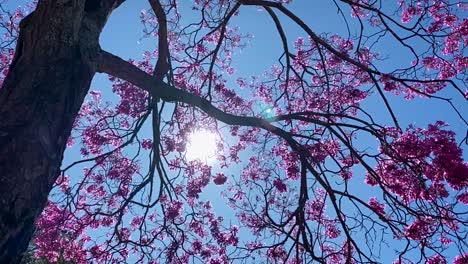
<point x="202" y="146"/>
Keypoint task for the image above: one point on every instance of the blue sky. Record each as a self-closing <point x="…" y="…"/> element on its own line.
<point x="123" y="33"/>
<point x="123" y="37"/>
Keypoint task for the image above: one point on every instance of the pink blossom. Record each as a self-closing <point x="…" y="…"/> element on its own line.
<point x="280" y="185"/>
<point x="219" y="179"/>
<point x="418" y="230"/>
<point x="376" y="206"/>
<point x="174" y="210"/>
<point x="461" y="259"/>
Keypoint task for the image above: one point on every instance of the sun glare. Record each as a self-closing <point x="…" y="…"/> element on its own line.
<point x="202" y="146"/>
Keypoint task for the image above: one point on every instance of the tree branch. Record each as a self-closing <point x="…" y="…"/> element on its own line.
<point x="162" y="65"/>
<point x="117" y="67"/>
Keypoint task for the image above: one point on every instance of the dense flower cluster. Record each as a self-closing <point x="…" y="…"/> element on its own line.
<point x="419" y="161"/>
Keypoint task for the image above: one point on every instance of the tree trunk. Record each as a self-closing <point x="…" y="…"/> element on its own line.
<point x="39" y="101"/>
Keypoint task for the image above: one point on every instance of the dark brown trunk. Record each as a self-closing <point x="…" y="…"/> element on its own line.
<point x="48" y="80"/>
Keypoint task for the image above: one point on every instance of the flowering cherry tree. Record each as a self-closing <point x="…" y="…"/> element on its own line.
<point x="304" y="170"/>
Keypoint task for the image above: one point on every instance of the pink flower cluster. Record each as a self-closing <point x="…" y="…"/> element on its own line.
<point x="430" y="154"/>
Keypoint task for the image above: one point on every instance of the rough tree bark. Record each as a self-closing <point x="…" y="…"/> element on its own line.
<point x="49" y="77"/>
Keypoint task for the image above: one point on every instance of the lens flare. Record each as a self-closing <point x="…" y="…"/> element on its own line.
<point x="202" y="146"/>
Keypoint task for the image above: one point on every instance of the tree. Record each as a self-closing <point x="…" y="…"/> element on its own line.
<point x="301" y="132"/>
